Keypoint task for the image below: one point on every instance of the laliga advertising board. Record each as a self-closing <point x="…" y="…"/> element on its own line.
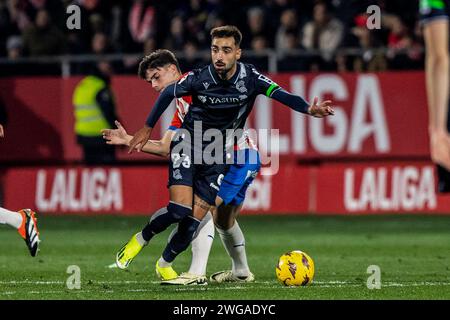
<point x="375" y="117"/>
<point x="372" y="123"/>
<point x="352" y="189"/>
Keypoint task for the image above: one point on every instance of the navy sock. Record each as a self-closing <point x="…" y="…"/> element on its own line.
<point x="182" y="239"/>
<point x="163" y="218"/>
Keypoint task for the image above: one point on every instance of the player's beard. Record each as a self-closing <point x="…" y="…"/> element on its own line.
<point x="223" y="72"/>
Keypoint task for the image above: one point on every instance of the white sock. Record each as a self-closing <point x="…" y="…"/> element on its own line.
<point x="12" y="218"/>
<point x="140" y="239"/>
<point x="163" y="263"/>
<point x="234" y="242"/>
<point x="201" y="245"/>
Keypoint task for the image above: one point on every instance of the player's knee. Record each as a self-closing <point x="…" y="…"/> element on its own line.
<point x="178" y="211"/>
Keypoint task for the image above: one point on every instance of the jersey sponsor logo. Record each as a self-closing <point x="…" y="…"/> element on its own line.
<point x="240" y="86"/>
<point x="243" y="97"/>
<point x="215" y="100"/>
<point x="202" y="98"/>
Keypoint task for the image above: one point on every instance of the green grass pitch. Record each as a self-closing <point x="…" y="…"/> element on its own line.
<point x="413" y="253"/>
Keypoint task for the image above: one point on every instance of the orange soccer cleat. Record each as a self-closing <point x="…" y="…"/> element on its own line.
<point x="29" y="231"/>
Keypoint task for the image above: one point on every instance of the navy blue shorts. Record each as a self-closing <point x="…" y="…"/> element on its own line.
<point x="239" y="176"/>
<point x="205" y="179"/>
<point x="431" y="10"/>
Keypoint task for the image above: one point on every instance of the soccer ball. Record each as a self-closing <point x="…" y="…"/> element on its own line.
<point x="295" y="268"/>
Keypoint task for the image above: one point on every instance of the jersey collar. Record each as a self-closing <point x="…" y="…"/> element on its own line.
<point x="216" y="78"/>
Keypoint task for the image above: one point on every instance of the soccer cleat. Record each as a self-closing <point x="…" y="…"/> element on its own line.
<point x="186" y="279"/>
<point x="228" y="276"/>
<point x="165" y="273"/>
<point x="127" y="253"/>
<point x="29" y="231"/>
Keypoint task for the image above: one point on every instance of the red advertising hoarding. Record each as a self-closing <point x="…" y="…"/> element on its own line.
<point x="377" y="116"/>
<point x="351" y="188"/>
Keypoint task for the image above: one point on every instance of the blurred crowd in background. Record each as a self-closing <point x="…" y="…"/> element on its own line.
<point x="325" y="29"/>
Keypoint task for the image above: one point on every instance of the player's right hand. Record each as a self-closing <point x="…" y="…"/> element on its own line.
<point x="440" y="148"/>
<point x="2" y="131"/>
<point x="140" y="139"/>
<point x="117" y="136"/>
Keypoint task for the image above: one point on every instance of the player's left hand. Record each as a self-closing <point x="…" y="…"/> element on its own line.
<point x="322" y="109"/>
<point x="117" y="136"/>
<point x="140" y="139"/>
<point x="2" y="131"/>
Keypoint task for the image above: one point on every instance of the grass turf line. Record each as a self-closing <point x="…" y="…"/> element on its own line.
<point x="412" y="252"/>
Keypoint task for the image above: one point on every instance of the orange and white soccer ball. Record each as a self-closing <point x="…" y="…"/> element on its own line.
<point x="295" y="268"/>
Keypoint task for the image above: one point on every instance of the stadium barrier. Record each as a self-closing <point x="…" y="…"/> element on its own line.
<point x="329" y="188"/>
<point x="378" y="116"/>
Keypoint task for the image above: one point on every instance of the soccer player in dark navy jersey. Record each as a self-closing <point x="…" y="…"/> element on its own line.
<point x="223" y="94"/>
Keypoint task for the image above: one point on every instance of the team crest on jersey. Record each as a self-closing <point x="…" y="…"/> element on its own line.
<point x="202" y="98"/>
<point x="206" y="85"/>
<point x="240" y="86"/>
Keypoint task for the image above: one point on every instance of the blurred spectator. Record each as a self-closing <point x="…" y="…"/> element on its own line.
<point x="324" y="33"/>
<point x="370" y="60"/>
<point x="400" y="43"/>
<point x="256" y="26"/>
<point x="191" y="60"/>
<point x="177" y="36"/>
<point x="43" y="38"/>
<point x="94" y="110"/>
<point x="100" y="44"/>
<point x="258" y="57"/>
<point x="196" y="15"/>
<point x="288" y="25"/>
<point x="14" y="46"/>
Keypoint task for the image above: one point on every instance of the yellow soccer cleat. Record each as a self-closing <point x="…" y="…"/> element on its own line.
<point x="128" y="252"/>
<point x="165" y="273"/>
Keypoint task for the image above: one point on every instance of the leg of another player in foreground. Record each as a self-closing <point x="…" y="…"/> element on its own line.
<point x="233" y="241"/>
<point x="26" y="224"/>
<point x="179" y="207"/>
<point x="232" y="195"/>
<point x="437" y="81"/>
<point x="183" y="237"/>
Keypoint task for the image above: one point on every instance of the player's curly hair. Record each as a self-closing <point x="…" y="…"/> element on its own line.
<point x="227" y="31"/>
<point x="157" y="59"/>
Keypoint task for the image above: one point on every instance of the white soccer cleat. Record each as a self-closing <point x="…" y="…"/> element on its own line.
<point x="186" y="279"/>
<point x="228" y="276"/>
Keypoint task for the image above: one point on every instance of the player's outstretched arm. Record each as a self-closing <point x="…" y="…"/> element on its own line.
<point x="141" y="137"/>
<point x="320" y="110"/>
<point x="297" y="103"/>
<point x="2" y="131"/>
<point x="120" y="137"/>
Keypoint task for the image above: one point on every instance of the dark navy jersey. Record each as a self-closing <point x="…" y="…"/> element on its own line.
<point x="222" y="104"/>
